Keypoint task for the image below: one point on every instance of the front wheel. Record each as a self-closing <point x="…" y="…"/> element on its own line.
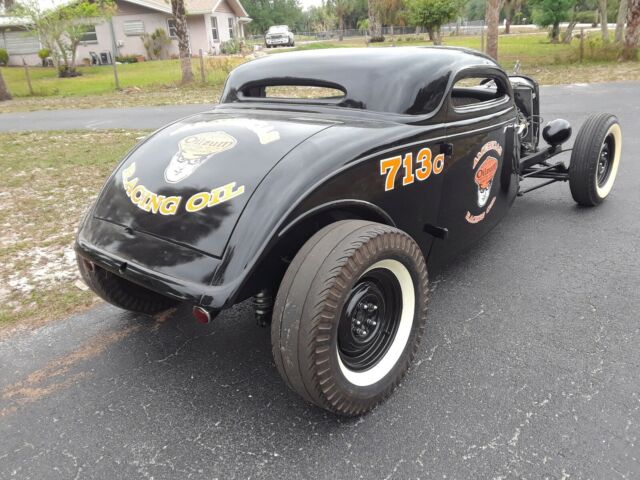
<point x="595" y="159"/>
<point x="349" y="315"/>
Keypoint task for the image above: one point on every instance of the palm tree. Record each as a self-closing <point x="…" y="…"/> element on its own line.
<point x="622" y="16"/>
<point x="180" y="16"/>
<point x="492" y="19"/>
<point x="342" y="9"/>
<point x="633" y="31"/>
<point x="4" y="92"/>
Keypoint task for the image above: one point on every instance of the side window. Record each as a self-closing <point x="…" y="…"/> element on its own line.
<point x="477" y="91"/>
<point x="173" y="31"/>
<point x="214" y="29"/>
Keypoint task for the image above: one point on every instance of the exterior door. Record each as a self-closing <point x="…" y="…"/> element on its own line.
<point x="480" y="179"/>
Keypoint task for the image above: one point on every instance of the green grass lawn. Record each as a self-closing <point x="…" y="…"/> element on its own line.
<point x="99" y="79"/>
<point x="157" y="82"/>
<point x="49" y="179"/>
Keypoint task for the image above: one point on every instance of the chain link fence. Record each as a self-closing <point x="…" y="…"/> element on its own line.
<point x="455" y="28"/>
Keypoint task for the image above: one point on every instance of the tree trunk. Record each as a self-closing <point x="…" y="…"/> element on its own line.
<point x="492" y="19"/>
<point x="604" y="26"/>
<point x="555" y="32"/>
<point x="374" y="25"/>
<point x="633" y="31"/>
<point x="430" y="32"/>
<point x="567" y="36"/>
<point x="341" y="27"/>
<point x="437" y="37"/>
<point x="622" y="15"/>
<point x="4" y="92"/>
<point x="180" y="15"/>
<point x="507" y="25"/>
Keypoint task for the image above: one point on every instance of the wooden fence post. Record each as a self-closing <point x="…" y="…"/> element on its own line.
<point x="26" y="74"/>
<point x="202" y="75"/>
<point x="581" y="44"/>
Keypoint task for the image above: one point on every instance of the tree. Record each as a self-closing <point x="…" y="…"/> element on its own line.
<point x="604" y="23"/>
<point x="632" y="34"/>
<point x="180" y="15"/>
<point x="622" y="15"/>
<point x="431" y="14"/>
<point x="61" y="29"/>
<point x="374" y="22"/>
<point x="492" y="19"/>
<point x="549" y="13"/>
<point x="342" y="8"/>
<point x="4" y="91"/>
<point x="266" y="13"/>
<point x="509" y="10"/>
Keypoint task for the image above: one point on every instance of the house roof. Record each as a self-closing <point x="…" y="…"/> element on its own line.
<point x="193" y="6"/>
<point x="13" y="21"/>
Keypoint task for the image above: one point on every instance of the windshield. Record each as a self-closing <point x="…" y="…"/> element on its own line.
<point x="278" y="29"/>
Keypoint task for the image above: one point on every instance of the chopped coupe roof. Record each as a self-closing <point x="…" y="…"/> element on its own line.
<point x="403" y="80"/>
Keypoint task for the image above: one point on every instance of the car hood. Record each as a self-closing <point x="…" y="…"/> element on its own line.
<point x="189" y="182"/>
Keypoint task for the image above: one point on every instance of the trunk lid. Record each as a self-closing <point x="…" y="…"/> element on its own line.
<point x="189" y="182"/>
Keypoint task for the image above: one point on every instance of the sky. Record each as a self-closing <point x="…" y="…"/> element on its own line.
<point x="308" y="3"/>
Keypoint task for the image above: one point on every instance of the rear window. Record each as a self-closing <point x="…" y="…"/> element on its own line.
<point x="306" y="92"/>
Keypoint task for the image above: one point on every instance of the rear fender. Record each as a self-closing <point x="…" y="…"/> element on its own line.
<point x="272" y="264"/>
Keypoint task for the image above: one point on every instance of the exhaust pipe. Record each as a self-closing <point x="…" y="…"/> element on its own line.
<point x="202" y="315"/>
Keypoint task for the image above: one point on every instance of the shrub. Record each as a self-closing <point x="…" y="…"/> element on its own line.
<point x="43" y="53"/>
<point x="588" y="16"/>
<point x="4" y="57"/>
<point x="230" y="47"/>
<point x="597" y="50"/>
<point x="156" y="43"/>
<point x="378" y="39"/>
<point x="127" y="59"/>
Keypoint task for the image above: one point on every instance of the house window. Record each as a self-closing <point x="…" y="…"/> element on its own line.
<point x="19" y="42"/>
<point x="133" y="28"/>
<point x="89" y="35"/>
<point x="231" y="35"/>
<point x="173" y="30"/>
<point x="214" y="29"/>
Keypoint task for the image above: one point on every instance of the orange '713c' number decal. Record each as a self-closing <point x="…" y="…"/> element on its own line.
<point x="427" y="165"/>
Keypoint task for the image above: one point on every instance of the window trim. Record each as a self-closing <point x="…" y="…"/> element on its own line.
<point x="484" y="106"/>
<point x="83" y="41"/>
<point x="214" y="27"/>
<point x="232" y="30"/>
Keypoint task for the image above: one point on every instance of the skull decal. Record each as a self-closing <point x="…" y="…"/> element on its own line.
<point x="484" y="179"/>
<point x="193" y="151"/>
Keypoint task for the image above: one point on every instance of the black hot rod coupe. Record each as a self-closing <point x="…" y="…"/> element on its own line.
<point x="327" y="207"/>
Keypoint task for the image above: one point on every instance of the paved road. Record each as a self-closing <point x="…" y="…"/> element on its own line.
<point x="529" y="368"/>
<point x="155" y="117"/>
<point x="97" y="119"/>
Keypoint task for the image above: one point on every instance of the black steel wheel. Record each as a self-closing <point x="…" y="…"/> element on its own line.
<point x="349" y="315"/>
<point x="595" y="159"/>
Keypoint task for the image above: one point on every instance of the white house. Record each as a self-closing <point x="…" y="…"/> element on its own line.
<point x="209" y="22"/>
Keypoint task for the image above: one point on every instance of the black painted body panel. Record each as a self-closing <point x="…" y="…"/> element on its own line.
<point x="296" y="161"/>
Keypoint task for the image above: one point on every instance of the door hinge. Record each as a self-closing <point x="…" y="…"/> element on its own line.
<point x="447" y="149"/>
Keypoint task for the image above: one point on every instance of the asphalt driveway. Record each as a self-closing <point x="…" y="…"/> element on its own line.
<point x="559" y="100"/>
<point x="529" y="368"/>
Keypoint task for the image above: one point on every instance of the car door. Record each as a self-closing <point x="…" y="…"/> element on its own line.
<point x="480" y="178"/>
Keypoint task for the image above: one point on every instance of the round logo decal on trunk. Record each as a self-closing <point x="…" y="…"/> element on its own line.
<point x="195" y="150"/>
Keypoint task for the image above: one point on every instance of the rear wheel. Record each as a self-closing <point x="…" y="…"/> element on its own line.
<point x="595" y="159"/>
<point x="122" y="293"/>
<point x="349" y="315"/>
